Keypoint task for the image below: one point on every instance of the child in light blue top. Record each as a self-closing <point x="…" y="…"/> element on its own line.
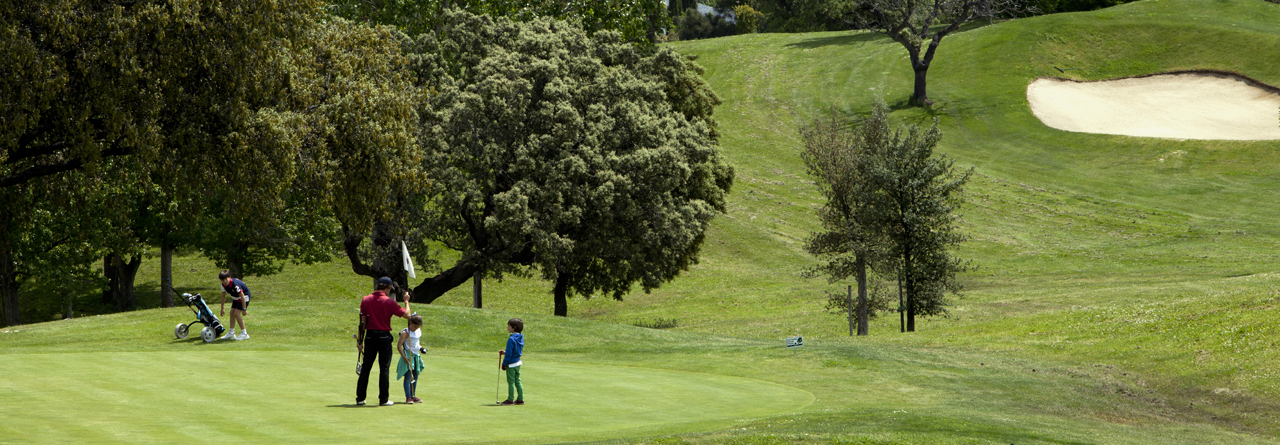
<point x="511" y="362"/>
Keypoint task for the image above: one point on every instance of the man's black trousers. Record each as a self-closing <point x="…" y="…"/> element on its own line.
<point x="377" y="344"/>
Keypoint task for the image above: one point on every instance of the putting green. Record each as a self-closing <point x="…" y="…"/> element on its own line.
<point x="264" y="396"/>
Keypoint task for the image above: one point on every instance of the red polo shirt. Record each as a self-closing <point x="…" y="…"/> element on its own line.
<point x="379" y="307"/>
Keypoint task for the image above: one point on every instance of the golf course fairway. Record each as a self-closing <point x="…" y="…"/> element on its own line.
<point x="268" y="396"/>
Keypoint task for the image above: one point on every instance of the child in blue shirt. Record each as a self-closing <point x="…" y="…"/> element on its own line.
<point x="511" y="362"/>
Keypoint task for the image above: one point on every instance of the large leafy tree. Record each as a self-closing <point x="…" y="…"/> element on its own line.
<point x="360" y="89"/>
<point x="50" y="231"/>
<point x="637" y="20"/>
<point x="350" y="118"/>
<point x="917" y="199"/>
<point x="179" y="86"/>
<point x="155" y="92"/>
<point x="262" y="112"/>
<point x="577" y="157"/>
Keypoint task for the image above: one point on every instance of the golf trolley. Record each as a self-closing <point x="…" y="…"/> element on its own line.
<point x="212" y="327"/>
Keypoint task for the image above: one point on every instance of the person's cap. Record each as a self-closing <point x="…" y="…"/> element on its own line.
<point x="385" y="281"/>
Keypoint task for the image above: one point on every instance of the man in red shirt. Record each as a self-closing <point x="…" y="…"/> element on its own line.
<point x="379" y="308"/>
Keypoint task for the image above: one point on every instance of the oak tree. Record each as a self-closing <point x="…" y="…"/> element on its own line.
<point x="578" y="157"/>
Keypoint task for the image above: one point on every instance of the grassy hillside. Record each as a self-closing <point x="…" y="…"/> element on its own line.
<point x="1125" y="289"/>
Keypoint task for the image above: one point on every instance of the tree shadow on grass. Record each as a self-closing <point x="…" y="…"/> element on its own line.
<point x="946" y="108"/>
<point x="875" y="37"/>
<point x="861" y="37"/>
<point x="918" y="115"/>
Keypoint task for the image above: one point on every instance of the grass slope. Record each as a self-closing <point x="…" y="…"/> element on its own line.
<point x="1125" y="288"/>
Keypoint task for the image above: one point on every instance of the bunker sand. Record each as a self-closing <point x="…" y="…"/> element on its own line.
<point x="1188" y="105"/>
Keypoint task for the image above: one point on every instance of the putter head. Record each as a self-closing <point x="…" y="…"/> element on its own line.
<point x="359" y="367"/>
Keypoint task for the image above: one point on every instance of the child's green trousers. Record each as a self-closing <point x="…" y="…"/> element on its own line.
<point x="513" y="384"/>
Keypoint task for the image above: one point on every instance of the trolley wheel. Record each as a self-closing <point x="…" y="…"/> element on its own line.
<point x="180" y="330"/>
<point x="208" y="335"/>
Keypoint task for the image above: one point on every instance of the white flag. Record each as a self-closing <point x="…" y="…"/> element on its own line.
<point x="408" y="262"/>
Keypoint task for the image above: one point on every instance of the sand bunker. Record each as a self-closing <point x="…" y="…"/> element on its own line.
<point x="1196" y="105"/>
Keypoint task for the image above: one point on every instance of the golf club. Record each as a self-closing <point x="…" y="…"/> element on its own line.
<point x="499" y="383"/>
<point x="359" y="355"/>
<point x="359" y="336"/>
<point x="413" y="375"/>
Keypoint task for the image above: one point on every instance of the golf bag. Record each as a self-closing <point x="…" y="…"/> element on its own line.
<point x="212" y="327"/>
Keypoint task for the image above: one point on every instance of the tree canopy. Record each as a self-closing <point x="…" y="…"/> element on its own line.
<point x="577" y="157"/>
<point x="252" y="124"/>
<point x="262" y="131"/>
<point x="636" y="20"/>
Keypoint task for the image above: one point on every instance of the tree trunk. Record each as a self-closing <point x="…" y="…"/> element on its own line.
<point x="66" y="296"/>
<point x="861" y="267"/>
<point x="908" y="271"/>
<point x="8" y="277"/>
<point x="109" y="270"/>
<point x="561" y="295"/>
<point x="166" y="273"/>
<point x="476" y="287"/>
<point x="919" y="96"/>
<point x="121" y="276"/>
<point x="902" y="310"/>
<point x="849" y="306"/>
<point x="128" y="277"/>
<point x="233" y="268"/>
<point x="432" y="288"/>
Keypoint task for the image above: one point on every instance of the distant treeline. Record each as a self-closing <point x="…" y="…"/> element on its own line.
<point x="810" y="15"/>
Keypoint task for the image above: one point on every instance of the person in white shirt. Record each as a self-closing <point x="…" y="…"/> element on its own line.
<point x="410" y="367"/>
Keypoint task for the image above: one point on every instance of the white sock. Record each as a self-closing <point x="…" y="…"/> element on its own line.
<point x="233" y="332"/>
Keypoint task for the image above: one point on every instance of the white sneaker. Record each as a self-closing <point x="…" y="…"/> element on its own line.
<point x="243" y="336"/>
<point x="388" y="403"/>
<point x="231" y="335"/>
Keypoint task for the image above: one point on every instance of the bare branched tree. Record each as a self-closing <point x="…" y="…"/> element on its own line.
<point x="920" y="25"/>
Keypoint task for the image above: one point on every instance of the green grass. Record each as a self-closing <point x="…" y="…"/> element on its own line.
<point x="283" y="396"/>
<point x="1125" y="289"/>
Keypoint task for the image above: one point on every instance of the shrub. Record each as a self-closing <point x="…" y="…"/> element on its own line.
<point x="694" y="25"/>
<point x="748" y="19"/>
<point x="657" y="323"/>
